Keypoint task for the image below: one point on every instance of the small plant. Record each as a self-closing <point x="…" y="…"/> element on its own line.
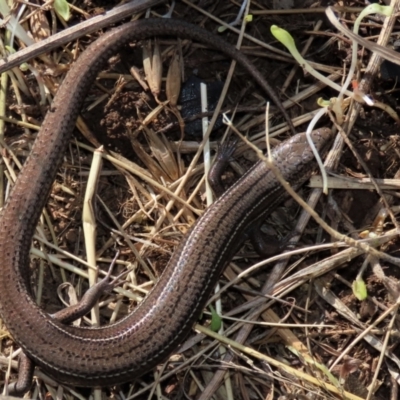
<point x="338" y="104"/>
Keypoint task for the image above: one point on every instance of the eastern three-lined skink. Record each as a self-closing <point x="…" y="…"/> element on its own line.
<point x="127" y="349"/>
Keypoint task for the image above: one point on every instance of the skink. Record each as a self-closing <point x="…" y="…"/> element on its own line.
<point x="127" y="349"/>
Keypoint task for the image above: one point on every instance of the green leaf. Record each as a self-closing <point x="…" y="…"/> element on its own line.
<point x="376" y="9"/>
<point x="23" y="66"/>
<point x="216" y="320"/>
<point x="62" y="8"/>
<point x="284" y="37"/>
<point x="360" y="289"/>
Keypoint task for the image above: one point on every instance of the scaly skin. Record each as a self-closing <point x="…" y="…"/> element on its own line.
<point x="134" y="345"/>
